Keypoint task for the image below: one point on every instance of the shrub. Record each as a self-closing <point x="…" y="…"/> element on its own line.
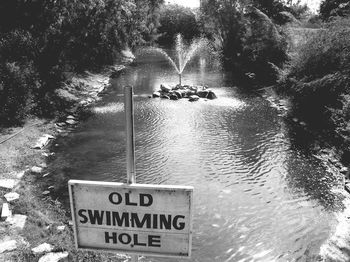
<point x="318" y="77"/>
<point x="17" y="83"/>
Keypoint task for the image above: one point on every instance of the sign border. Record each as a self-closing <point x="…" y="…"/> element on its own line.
<point x="73" y="182"/>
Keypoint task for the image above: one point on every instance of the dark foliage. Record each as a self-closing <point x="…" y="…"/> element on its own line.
<point x="41" y="39"/>
<point x="318" y="79"/>
<point x="332" y="8"/>
<point x="175" y="19"/>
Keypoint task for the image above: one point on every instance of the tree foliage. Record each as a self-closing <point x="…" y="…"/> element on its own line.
<point x="68" y="35"/>
<point x="333" y="8"/>
<point x="176" y="19"/>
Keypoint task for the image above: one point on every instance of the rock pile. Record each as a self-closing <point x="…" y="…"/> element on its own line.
<point x="193" y="93"/>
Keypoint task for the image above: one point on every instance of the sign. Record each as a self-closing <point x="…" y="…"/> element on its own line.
<point x="132" y="218"/>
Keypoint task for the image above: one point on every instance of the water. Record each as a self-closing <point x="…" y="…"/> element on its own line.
<point x="257" y="196"/>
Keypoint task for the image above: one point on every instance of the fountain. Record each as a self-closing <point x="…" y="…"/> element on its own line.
<point x="184" y="55"/>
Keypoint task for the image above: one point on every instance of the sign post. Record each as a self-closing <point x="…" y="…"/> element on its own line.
<point x="138" y="219"/>
<point x="130" y="141"/>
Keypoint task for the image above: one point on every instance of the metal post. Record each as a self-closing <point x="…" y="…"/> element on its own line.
<point x="180" y="79"/>
<point x="130" y="141"/>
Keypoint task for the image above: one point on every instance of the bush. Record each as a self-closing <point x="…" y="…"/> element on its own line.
<point x="319" y="76"/>
<point x="17" y="83"/>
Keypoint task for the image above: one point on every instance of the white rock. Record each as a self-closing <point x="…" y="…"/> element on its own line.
<point x="11" y="196"/>
<point x="36" y="169"/>
<point x="5" y="211"/>
<point x="61" y="228"/>
<point x="43" y="141"/>
<point x="70" y="117"/>
<point x="8" y="183"/>
<point x="71" y="122"/>
<point x="19" y="175"/>
<point x="8" y="246"/>
<point x="17" y="221"/>
<point x="43" y="248"/>
<point x="54" y="257"/>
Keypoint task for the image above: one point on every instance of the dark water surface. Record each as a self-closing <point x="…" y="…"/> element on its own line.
<point x="257" y="197"/>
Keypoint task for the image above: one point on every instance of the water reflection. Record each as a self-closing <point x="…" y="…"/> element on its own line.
<point x="257" y="198"/>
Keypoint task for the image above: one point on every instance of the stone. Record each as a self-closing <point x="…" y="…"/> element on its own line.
<point x="165" y="97"/>
<point x="36" y="170"/>
<point x="344" y="170"/>
<point x="21" y="174"/>
<point x="165" y="88"/>
<point x="17" y="221"/>
<point x="173" y="96"/>
<point x="11" y="196"/>
<point x="46" y="174"/>
<point x="194" y="98"/>
<point x="46" y="192"/>
<point x="61" y="228"/>
<point x="71" y="122"/>
<point x="51" y="187"/>
<point x="70" y="117"/>
<point x="211" y="95"/>
<point x="8" y="183"/>
<point x="7" y="246"/>
<point x="178" y="94"/>
<point x="156" y="94"/>
<point x="54" y="257"/>
<point x="5" y="211"/>
<point x="202" y="93"/>
<point x="43" y="248"/>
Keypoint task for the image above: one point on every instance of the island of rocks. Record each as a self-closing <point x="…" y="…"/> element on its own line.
<point x="193" y="93"/>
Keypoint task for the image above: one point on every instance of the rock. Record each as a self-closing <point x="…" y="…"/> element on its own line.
<point x="36" y="170"/>
<point x="302" y="123"/>
<point x="173" y="96"/>
<point x="70" y="117"/>
<point x="194" y="98"/>
<point x="295" y="119"/>
<point x="71" y="122"/>
<point x="61" y="124"/>
<point x="21" y="174"/>
<point x="8" y="183"/>
<point x="165" y="88"/>
<point x="42" y="141"/>
<point x="5" y="211"/>
<point x="156" y="94"/>
<point x="344" y="170"/>
<point x="178" y="94"/>
<point x="7" y="246"/>
<point x="211" y="95"/>
<point x="202" y="93"/>
<point x="61" y="228"/>
<point x="46" y="192"/>
<point x="165" y="97"/>
<point x="43" y="248"/>
<point x="46" y="174"/>
<point x="54" y="257"/>
<point x="17" y="221"/>
<point x="11" y="196"/>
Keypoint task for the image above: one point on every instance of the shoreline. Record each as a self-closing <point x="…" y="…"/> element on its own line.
<point x="33" y="225"/>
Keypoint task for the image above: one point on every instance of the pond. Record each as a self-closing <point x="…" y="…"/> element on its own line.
<point x="257" y="196"/>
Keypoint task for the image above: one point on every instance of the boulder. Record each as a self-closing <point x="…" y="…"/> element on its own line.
<point x="36" y="170"/>
<point x="165" y="88"/>
<point x="203" y="93"/>
<point x="156" y="94"/>
<point x="165" y="97"/>
<point x="173" y="96"/>
<point x="211" y="95"/>
<point x="5" y="211"/>
<point x="178" y="94"/>
<point x="193" y="98"/>
<point x="8" y="183"/>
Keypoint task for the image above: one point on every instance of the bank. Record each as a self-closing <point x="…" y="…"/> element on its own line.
<point x="34" y="226"/>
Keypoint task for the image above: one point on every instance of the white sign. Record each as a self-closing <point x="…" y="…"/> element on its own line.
<point x="139" y="219"/>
